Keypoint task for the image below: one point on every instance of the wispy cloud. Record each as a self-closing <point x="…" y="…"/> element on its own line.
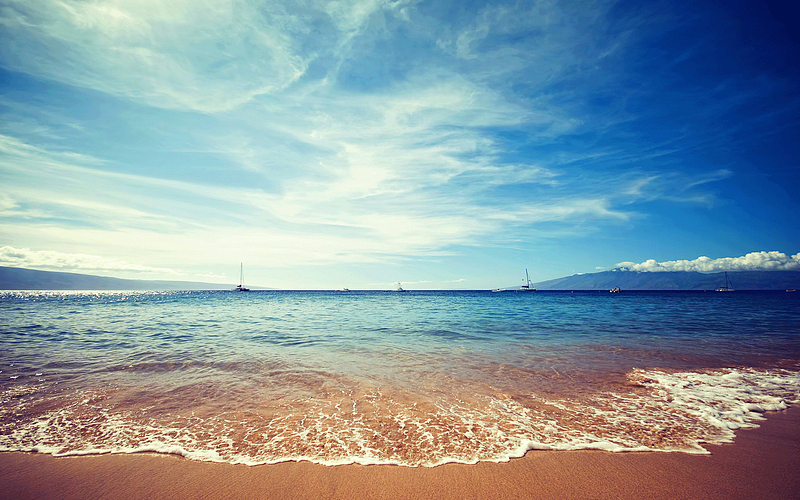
<point x="673" y="186"/>
<point x="181" y="54"/>
<point x="380" y="191"/>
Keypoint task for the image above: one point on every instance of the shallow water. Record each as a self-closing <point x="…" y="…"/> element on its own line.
<point x="416" y="378"/>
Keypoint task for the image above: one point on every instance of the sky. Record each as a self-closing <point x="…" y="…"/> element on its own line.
<point x="439" y="144"/>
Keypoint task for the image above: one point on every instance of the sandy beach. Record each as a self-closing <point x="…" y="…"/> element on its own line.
<point x="762" y="463"/>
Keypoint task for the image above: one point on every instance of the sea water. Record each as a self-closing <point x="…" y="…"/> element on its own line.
<point x="416" y="378"/>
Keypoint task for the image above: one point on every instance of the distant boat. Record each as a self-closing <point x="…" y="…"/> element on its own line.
<point x="728" y="285"/>
<point x="524" y="288"/>
<point x="240" y="287"/>
<point x="614" y="290"/>
<point x="527" y="287"/>
<point x="398" y="288"/>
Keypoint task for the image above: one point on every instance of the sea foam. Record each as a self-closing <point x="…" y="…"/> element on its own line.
<point x="663" y="411"/>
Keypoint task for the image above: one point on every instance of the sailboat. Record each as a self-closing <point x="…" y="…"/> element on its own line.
<point x="241" y="288"/>
<point x="728" y="285"/>
<point x="527" y="287"/>
<point x="524" y="288"/>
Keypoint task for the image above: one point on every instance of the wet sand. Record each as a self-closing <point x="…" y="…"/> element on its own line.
<point x="762" y="463"/>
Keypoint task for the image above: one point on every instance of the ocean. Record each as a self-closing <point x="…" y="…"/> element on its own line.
<point x="419" y="378"/>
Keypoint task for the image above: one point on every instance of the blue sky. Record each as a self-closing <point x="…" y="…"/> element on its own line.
<point x="355" y="144"/>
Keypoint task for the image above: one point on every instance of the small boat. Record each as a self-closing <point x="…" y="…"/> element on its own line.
<point x="614" y="290"/>
<point x="240" y="287"/>
<point x="399" y="288"/>
<point x="728" y="285"/>
<point x="524" y="288"/>
<point x="527" y="286"/>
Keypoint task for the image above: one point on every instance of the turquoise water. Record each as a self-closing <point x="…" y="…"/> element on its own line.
<point x="416" y="378"/>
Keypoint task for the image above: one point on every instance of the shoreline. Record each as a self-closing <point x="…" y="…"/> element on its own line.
<point x="762" y="462"/>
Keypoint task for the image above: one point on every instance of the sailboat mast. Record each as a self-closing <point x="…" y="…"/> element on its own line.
<point x="241" y="274"/>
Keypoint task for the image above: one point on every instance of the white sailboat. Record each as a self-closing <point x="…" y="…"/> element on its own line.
<point x="728" y="285"/>
<point x="240" y="287"/>
<point x="527" y="286"/>
<point x="524" y="288"/>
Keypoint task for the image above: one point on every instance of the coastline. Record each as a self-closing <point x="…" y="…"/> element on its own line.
<point x="762" y="462"/>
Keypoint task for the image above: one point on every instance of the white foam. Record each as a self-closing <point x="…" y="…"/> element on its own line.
<point x="663" y="411"/>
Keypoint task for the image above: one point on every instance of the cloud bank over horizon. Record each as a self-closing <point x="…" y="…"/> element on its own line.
<point x="77" y="262"/>
<point x="56" y="261"/>
<point x="754" y="261"/>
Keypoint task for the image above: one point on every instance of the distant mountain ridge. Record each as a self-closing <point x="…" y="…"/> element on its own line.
<point x="675" y="280"/>
<point x="15" y="278"/>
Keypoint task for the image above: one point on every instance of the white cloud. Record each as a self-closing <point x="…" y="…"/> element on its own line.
<point x="755" y="261"/>
<point x="46" y="259"/>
